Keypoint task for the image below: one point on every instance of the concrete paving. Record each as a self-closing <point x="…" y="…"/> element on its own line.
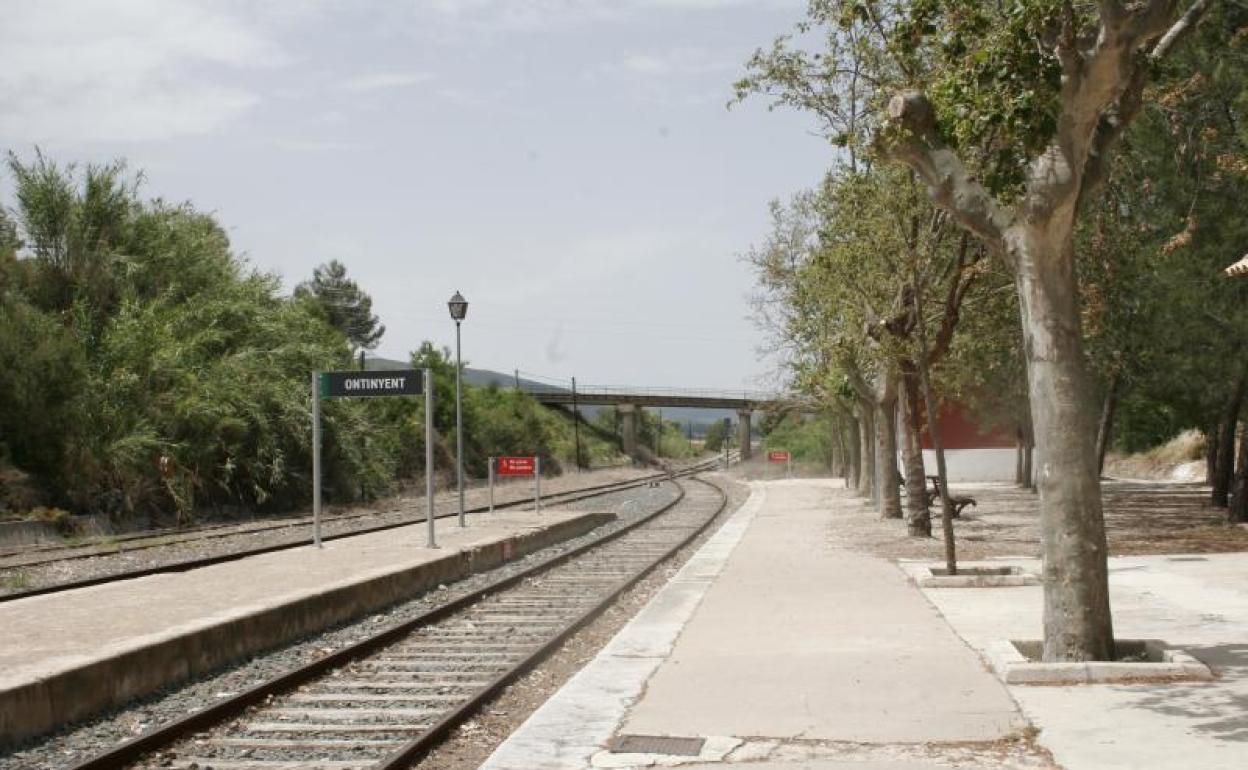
<point x="782" y="650"/>
<point x="100" y="645"/>
<point x="798" y="639"/>
<point x="1198" y="603"/>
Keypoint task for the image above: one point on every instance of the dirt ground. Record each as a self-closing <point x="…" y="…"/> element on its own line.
<point x="1140" y="518"/>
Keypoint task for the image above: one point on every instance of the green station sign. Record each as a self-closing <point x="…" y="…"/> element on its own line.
<point x="403" y="382"/>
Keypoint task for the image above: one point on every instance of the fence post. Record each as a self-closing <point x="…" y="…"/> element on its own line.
<point x="537" y="478"/>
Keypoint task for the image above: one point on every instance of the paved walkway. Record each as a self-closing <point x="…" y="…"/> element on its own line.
<point x="1197" y="603"/>
<point x="781" y="650"/>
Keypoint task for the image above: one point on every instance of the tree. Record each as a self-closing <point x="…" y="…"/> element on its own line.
<point x="714" y="440"/>
<point x="343" y="303"/>
<point x="130" y="332"/>
<point x="1010" y="113"/>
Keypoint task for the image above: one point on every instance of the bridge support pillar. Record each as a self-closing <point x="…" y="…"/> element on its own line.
<point x="628" y="428"/>
<point x="743" y="434"/>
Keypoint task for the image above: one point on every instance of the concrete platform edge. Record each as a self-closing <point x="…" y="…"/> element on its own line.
<point x="41" y="705"/>
<point x="567" y="731"/>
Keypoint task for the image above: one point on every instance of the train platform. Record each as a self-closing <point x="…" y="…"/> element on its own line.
<point x="71" y="654"/>
<point x="1196" y="603"/>
<point x="779" y="647"/>
<point x="776" y="647"/>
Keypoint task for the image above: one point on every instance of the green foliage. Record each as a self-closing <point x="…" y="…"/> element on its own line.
<point x="714" y="441"/>
<point x="808" y="439"/>
<point x="42" y="371"/>
<point x="1158" y="309"/>
<point x="129" y="332"/>
<point x="1158" y="317"/>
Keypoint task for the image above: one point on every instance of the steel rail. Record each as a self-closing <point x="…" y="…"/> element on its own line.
<point x="424" y="743"/>
<point x="187" y="565"/>
<point x="132" y="750"/>
<point x="213" y="531"/>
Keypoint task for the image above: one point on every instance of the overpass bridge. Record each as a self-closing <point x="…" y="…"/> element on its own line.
<point x="627" y="400"/>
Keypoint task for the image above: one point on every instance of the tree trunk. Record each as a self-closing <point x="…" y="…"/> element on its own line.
<point x="1105" y="428"/>
<point x="849" y="450"/>
<point x="1211" y="453"/>
<point x="1019" y="465"/>
<point x="1239" y="498"/>
<point x="833" y="449"/>
<point x="938" y="448"/>
<point x="918" y="518"/>
<point x="866" y="450"/>
<point x="886" y="476"/>
<point x="855" y="448"/>
<point x="1224" y="459"/>
<point x="1029" y="457"/>
<point x="1077" y="621"/>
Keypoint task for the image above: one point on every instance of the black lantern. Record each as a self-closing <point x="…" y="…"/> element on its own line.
<point x="458" y="306"/>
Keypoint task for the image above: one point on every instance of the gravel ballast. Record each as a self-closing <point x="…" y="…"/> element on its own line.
<point x="75" y="743"/>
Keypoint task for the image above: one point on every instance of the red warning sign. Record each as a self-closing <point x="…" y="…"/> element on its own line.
<point x="778" y="457"/>
<point x="516" y="466"/>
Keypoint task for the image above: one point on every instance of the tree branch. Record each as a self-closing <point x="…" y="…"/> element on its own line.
<point x="1112" y="12"/>
<point x="911" y="138"/>
<point x="958" y="287"/>
<point x="1114" y="121"/>
<point x="1180" y="28"/>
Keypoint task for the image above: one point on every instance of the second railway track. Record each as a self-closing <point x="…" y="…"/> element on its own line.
<point x="181" y="565"/>
<point x="387" y="700"/>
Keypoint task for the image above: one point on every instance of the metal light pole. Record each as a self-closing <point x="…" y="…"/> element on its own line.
<point x="459" y="308"/>
<point x="430" y="526"/>
<point x="576" y="425"/>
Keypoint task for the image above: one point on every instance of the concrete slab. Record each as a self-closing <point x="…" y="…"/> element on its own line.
<point x="800" y="639"/>
<point x="971" y="574"/>
<point x="825" y="765"/>
<point x="67" y="655"/>
<point x="1199" y="603"/>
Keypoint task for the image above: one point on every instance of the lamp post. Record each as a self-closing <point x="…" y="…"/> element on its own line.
<point x="459" y="308"/>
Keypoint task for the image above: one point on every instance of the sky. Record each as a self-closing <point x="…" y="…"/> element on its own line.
<point x="570" y="166"/>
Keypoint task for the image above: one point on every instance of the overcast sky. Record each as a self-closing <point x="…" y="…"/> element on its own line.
<point x="569" y="165"/>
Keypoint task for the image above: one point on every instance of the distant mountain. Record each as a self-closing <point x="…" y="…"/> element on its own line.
<point x="481" y="378"/>
<point x="700" y="418"/>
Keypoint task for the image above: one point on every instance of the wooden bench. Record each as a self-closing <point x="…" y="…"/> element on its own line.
<point x="958" y="501"/>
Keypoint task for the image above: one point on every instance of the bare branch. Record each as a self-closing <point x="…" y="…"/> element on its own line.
<point x="911" y="138"/>
<point x="1186" y="23"/>
<point x="1115" y="120"/>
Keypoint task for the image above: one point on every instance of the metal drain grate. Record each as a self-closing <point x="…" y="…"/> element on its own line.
<point x="657" y="744"/>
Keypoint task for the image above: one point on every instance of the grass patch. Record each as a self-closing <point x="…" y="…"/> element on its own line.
<point x="17" y="580"/>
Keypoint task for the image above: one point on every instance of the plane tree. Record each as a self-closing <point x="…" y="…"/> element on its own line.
<point x="1010" y="113"/>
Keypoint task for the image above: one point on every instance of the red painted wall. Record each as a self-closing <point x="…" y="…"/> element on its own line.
<point x="958" y="430"/>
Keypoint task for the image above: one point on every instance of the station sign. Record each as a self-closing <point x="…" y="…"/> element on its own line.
<point x="779" y="456"/>
<point x="402" y="382"/>
<point x="517" y="466"/>
<point x="357" y="384"/>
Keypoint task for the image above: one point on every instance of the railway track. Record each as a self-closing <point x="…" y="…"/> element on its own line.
<point x="183" y="565"/>
<point x="36" y="555"/>
<point x="387" y="700"/>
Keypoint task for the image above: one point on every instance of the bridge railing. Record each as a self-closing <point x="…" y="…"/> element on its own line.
<point x="658" y="392"/>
